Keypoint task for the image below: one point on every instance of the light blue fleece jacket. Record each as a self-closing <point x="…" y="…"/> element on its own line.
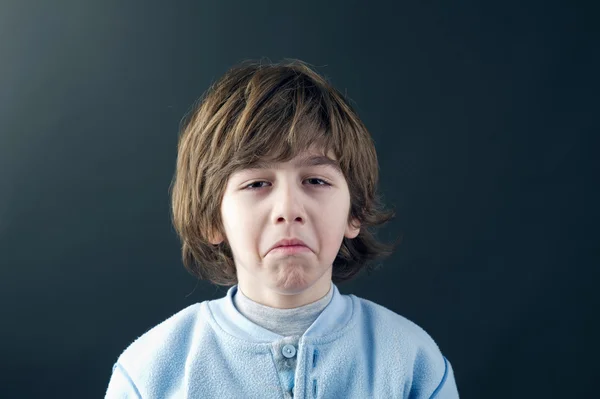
<point x="340" y="346"/>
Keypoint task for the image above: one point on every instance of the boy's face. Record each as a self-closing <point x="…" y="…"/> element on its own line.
<point x="290" y="201"/>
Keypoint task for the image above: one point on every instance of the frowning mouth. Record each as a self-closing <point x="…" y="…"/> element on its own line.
<point x="289" y="242"/>
<point x="290" y="249"/>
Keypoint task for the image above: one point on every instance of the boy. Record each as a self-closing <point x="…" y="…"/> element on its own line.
<point x="273" y="196"/>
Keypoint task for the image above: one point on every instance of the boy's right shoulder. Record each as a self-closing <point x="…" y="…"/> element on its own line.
<point x="168" y="340"/>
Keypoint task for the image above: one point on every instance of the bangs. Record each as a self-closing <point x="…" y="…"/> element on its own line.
<point x="279" y="124"/>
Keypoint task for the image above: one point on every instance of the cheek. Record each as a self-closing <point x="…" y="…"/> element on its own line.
<point x="331" y="231"/>
<point x="243" y="224"/>
<point x="336" y="209"/>
<point x="233" y="218"/>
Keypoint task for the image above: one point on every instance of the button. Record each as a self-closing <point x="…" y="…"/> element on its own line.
<point x="288" y="351"/>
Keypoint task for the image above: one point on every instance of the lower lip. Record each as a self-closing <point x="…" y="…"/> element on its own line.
<point x="290" y="249"/>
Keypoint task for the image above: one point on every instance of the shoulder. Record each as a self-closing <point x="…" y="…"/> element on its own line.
<point x="164" y="344"/>
<point x="389" y="322"/>
<point x="427" y="368"/>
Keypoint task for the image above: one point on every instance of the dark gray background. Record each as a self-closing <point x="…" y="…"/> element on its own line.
<point x="485" y="122"/>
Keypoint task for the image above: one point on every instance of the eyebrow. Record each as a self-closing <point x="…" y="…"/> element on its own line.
<point x="316" y="160"/>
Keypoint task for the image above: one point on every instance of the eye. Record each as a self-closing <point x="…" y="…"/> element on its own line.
<point x="323" y="183"/>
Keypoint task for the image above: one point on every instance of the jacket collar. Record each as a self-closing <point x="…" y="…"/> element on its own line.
<point x="335" y="317"/>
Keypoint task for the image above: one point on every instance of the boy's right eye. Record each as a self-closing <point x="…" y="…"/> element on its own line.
<point x="254" y="183"/>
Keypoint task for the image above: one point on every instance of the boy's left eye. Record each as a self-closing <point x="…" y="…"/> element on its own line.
<point x="324" y="183"/>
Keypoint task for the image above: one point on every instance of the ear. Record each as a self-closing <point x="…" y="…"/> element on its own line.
<point x="352" y="229"/>
<point x="215" y="238"/>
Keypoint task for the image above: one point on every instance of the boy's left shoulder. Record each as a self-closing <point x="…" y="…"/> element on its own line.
<point x="388" y="322"/>
<point x="430" y="371"/>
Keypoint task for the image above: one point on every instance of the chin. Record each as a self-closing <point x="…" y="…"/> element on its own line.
<point x="294" y="280"/>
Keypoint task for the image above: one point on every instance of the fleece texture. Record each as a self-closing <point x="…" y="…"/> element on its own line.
<point x="354" y="348"/>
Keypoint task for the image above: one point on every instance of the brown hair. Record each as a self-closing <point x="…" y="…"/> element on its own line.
<point x="266" y="111"/>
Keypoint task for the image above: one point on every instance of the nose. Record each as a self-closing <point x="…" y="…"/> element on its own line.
<point x="288" y="206"/>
